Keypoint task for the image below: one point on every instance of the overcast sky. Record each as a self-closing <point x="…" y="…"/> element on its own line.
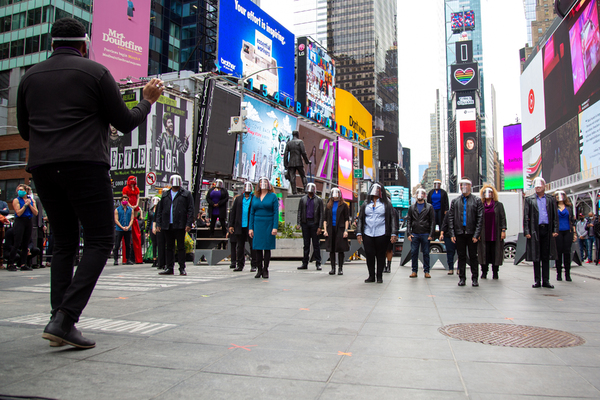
<point x="421" y="39"/>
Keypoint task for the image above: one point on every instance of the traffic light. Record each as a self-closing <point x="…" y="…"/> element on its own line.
<point x="278" y="182"/>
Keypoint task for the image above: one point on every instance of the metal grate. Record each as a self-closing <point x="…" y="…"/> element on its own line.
<point x="508" y="335"/>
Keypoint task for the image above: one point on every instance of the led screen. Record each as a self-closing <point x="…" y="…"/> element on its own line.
<point x="463" y="21"/>
<point x="513" y="157"/>
<point x="400" y="196"/>
<point x="345" y="173"/>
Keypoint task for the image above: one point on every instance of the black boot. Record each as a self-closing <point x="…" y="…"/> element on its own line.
<point x="568" y="274"/>
<point x="341" y="263"/>
<point x="332" y="259"/>
<point x="559" y="272"/>
<point x="474" y="281"/>
<point x="265" y="271"/>
<point x="388" y="267"/>
<point x="484" y="271"/>
<point x="259" y="271"/>
<point x="495" y="269"/>
<point x="61" y="330"/>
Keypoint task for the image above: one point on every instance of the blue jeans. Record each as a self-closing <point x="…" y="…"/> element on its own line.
<point x="423" y="241"/>
<point x="582" y="248"/>
<point x="590" y="249"/>
<point x="450" y="251"/>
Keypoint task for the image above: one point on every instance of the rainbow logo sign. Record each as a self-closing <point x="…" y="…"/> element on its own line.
<point x="464" y="76"/>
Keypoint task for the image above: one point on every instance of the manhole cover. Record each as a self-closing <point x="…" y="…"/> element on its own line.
<point x="512" y="335"/>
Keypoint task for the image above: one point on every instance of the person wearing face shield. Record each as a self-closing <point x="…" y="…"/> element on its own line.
<point x="217" y="198"/>
<point x="438" y="198"/>
<point x="264" y="221"/>
<point x="490" y="248"/>
<point x="175" y="215"/>
<point x="335" y="229"/>
<point x="566" y="235"/>
<point x="376" y="227"/>
<point x="582" y="236"/>
<point x="157" y="252"/>
<point x="420" y="227"/>
<point x="239" y="221"/>
<point x="465" y="219"/>
<point x="310" y="219"/>
<point x="540" y="226"/>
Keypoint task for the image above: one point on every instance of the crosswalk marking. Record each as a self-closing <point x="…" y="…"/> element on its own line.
<point x="98" y="324"/>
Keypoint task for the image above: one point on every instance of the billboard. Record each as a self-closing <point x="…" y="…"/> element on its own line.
<point x="400" y="196"/>
<point x="269" y="130"/>
<point x="120" y="37"/>
<point x="321" y="151"/>
<point x="464" y="77"/>
<point x="345" y="170"/>
<point x="354" y="117"/>
<point x="468" y="143"/>
<point x="513" y="157"/>
<point x="316" y="79"/>
<point x="249" y="40"/>
<point x="463" y="21"/>
<point x="465" y="100"/>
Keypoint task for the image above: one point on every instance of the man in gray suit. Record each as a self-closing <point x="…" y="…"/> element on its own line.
<point x="292" y="160"/>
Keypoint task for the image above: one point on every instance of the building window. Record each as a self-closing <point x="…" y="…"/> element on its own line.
<point x="175" y="30"/>
<point x="176" y="7"/>
<point x="4" y="51"/>
<point x="34" y="17"/>
<point x="17" y="48"/>
<point x="18" y="21"/>
<point x="5" y="24"/>
<point x="9" y="188"/>
<point x="32" y="44"/>
<point x="173" y="53"/>
<point x="58" y="14"/>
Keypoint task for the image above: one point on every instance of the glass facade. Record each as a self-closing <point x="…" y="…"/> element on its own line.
<point x="310" y="19"/>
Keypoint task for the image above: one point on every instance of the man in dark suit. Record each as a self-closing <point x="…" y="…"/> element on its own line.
<point x="239" y="219"/>
<point x="292" y="160"/>
<point x="540" y="226"/>
<point x="310" y="218"/>
<point x="174" y="216"/>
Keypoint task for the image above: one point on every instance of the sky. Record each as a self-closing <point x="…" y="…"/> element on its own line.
<point x="421" y="66"/>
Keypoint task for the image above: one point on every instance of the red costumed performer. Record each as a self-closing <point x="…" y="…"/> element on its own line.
<point x="133" y="192"/>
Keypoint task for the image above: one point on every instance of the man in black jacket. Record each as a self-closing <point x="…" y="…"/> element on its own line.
<point x="239" y="219"/>
<point x="64" y="107"/>
<point x="310" y="218"/>
<point x="292" y="160"/>
<point x="420" y="225"/>
<point x="465" y="218"/>
<point x="174" y="216"/>
<point x="540" y="226"/>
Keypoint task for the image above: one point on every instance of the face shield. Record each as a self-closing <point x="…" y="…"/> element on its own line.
<point x="264" y="184"/>
<point x="539" y="185"/>
<point x="85" y="39"/>
<point x="218" y="183"/>
<point x="561" y="196"/>
<point x="336" y="194"/>
<point x="248" y="187"/>
<point x="421" y="194"/>
<point x="155" y="201"/>
<point x="311" y="188"/>
<point x="437" y="185"/>
<point x="465" y="186"/>
<point x="375" y="190"/>
<point x="175" y="181"/>
<point x="488" y="193"/>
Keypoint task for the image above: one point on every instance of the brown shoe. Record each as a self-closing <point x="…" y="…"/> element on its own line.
<point x="413" y="275"/>
<point x="451" y="272"/>
<point x="427" y="275"/>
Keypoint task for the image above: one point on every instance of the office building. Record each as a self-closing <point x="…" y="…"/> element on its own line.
<point x="310" y="19"/>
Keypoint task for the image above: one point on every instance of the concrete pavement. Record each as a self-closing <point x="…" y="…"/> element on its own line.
<point x="218" y="334"/>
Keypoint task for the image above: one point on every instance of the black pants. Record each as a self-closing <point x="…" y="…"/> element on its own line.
<point x="564" y="243"/>
<point x="119" y="237"/>
<point x="241" y="249"/>
<point x="40" y="244"/>
<point x="263" y="258"/>
<point x="171" y="235"/>
<point x="160" y="249"/>
<point x="439" y="218"/>
<point x="154" y="242"/>
<point x="309" y="234"/>
<point x="465" y="243"/>
<point x="490" y="256"/>
<point x="541" y="268"/>
<point x="22" y="231"/>
<point x="213" y="222"/>
<point x="375" y="249"/>
<point x="73" y="192"/>
<point x="233" y="249"/>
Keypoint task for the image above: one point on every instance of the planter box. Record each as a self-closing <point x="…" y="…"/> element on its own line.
<point x="288" y="248"/>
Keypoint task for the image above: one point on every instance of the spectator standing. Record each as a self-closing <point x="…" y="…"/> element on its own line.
<point x="490" y="248"/>
<point x="151" y="218"/>
<point x="217" y="198"/>
<point x="25" y="211"/>
<point x="38" y="231"/>
<point x="566" y="235"/>
<point x="264" y="220"/>
<point x="337" y="217"/>
<point x="310" y="219"/>
<point x="239" y="222"/>
<point x="4" y="212"/>
<point x="420" y="227"/>
<point x="591" y="237"/>
<point x="582" y="236"/>
<point x="123" y="222"/>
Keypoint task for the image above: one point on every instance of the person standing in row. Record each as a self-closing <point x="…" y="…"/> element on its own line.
<point x="175" y="215"/>
<point x="591" y="237"/>
<point x="264" y="221"/>
<point x="310" y="219"/>
<point x="490" y="248"/>
<point x="335" y="229"/>
<point x="438" y="198"/>
<point x="566" y="235"/>
<point x="153" y="235"/>
<point x="123" y="223"/>
<point x="217" y="198"/>
<point x="464" y="223"/>
<point x="376" y="227"/>
<point x="239" y="221"/>
<point x="65" y="104"/>
<point x="540" y="226"/>
<point x="4" y="212"/>
<point x="582" y="236"/>
<point x="25" y="210"/>
<point x="420" y="227"/>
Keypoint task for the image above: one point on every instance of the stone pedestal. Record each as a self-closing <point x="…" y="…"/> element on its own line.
<point x="291" y="209"/>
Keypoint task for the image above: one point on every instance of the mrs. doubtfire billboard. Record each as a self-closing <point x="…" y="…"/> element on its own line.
<point x="251" y="41"/>
<point x="121" y="36"/>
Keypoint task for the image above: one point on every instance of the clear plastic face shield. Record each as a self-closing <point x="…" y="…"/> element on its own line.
<point x="437" y="185"/>
<point x="539" y="184"/>
<point x="218" y="183"/>
<point x="465" y="186"/>
<point x="311" y="188"/>
<point x="421" y="194"/>
<point x="175" y="181"/>
<point x="155" y="201"/>
<point x="248" y="187"/>
<point x="85" y="39"/>
<point x="264" y="184"/>
<point x="375" y="190"/>
<point x="336" y="194"/>
<point x="488" y="193"/>
<point x="561" y="196"/>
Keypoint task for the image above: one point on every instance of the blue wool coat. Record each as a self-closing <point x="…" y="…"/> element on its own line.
<point x="264" y="217"/>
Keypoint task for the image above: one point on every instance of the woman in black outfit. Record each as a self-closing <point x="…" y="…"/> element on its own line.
<point x="566" y="235"/>
<point x="25" y="209"/>
<point x="335" y="229"/>
<point x="490" y="247"/>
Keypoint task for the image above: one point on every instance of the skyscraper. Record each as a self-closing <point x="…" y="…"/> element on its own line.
<point x="310" y="19"/>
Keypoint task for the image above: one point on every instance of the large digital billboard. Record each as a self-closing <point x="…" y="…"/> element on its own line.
<point x="513" y="157"/>
<point x="120" y="37"/>
<point x="263" y="146"/>
<point x="322" y="153"/>
<point x="464" y="77"/>
<point x="316" y="79"/>
<point x="345" y="170"/>
<point x="400" y="196"/>
<point x="249" y="40"/>
<point x="468" y="143"/>
<point x="463" y="21"/>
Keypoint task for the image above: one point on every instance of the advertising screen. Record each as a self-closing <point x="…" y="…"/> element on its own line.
<point x="120" y="37"/>
<point x="250" y="41"/>
<point x="560" y="152"/>
<point x="584" y="38"/>
<point x="263" y="146"/>
<point x="468" y="152"/>
<point x="589" y="125"/>
<point x="465" y="100"/>
<point x="345" y="171"/>
<point x="464" y="77"/>
<point x="321" y="151"/>
<point x="513" y="157"/>
<point x="532" y="164"/>
<point x="463" y="21"/>
<point x="400" y="196"/>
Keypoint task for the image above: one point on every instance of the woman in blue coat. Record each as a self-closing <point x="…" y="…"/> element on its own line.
<point x="264" y="219"/>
